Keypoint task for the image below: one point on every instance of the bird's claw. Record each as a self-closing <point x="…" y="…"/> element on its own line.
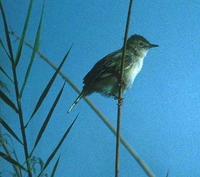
<point x="120" y="100"/>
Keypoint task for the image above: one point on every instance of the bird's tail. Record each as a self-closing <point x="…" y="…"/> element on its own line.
<point x="75" y="102"/>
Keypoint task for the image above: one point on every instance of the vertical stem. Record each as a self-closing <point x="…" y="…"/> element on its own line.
<point x="21" y="119"/>
<point x="120" y="94"/>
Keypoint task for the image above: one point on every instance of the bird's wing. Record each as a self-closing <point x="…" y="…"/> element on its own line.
<point x="107" y="66"/>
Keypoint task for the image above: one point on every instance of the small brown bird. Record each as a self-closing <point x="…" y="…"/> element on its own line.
<point x="104" y="76"/>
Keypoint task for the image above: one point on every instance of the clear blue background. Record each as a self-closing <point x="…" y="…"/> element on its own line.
<point x="160" y="112"/>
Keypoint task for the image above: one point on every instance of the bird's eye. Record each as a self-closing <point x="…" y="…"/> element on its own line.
<point x="141" y="44"/>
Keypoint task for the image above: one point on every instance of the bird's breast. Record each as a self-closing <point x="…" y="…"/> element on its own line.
<point x="132" y="72"/>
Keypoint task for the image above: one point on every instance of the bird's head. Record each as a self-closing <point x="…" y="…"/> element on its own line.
<point x="139" y="45"/>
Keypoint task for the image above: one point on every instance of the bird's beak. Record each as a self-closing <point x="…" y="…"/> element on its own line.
<point x="153" y="45"/>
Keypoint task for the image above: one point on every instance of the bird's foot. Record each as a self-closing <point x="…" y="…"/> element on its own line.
<point x="120" y="100"/>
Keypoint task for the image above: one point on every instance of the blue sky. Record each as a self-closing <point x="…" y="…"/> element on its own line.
<point x="160" y="112"/>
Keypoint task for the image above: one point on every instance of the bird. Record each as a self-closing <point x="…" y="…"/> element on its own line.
<point x="104" y="77"/>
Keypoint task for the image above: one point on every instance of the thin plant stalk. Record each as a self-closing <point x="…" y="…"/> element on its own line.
<point x="28" y="159"/>
<point x="120" y="100"/>
<point x="21" y="120"/>
<point x="16" y="88"/>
